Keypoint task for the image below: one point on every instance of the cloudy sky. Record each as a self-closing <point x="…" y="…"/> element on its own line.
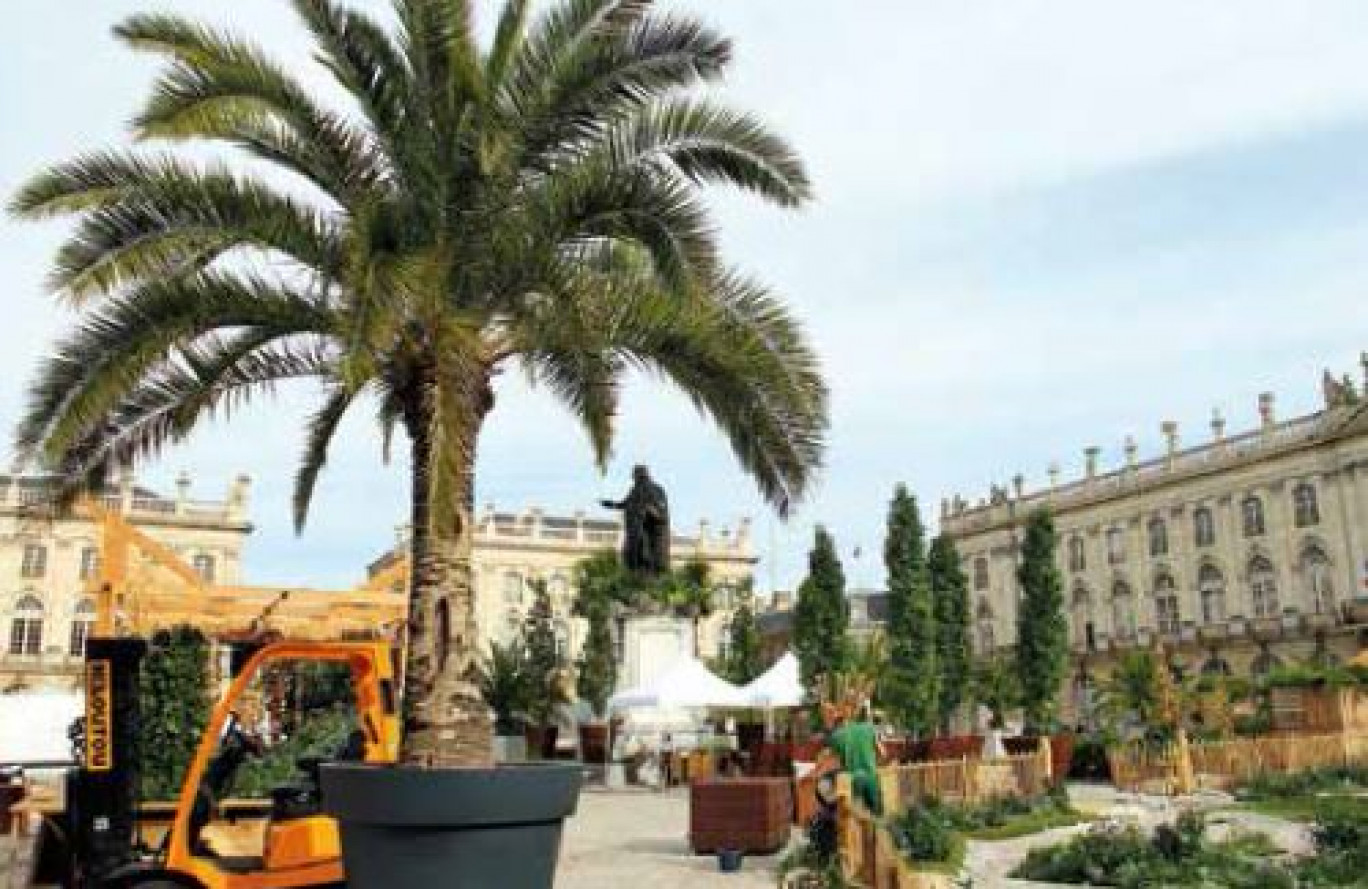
<point x="1041" y="224"/>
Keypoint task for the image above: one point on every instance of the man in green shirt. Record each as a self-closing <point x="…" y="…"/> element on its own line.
<point x="856" y="744"/>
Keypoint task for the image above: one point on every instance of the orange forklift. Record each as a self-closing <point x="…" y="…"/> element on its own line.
<point x="95" y="843"/>
<point x="92" y="844"/>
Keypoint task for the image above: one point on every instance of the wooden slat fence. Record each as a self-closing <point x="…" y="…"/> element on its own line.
<point x="869" y="854"/>
<point x="1231" y="762"/>
<point x="966" y="780"/>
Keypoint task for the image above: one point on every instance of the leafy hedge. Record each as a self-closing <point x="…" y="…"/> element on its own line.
<point x="933" y="833"/>
<point x="174" y="697"/>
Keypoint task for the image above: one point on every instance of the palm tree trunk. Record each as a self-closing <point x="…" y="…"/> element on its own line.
<point x="446" y="721"/>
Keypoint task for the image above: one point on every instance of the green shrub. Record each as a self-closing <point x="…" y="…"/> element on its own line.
<point x="925" y="832"/>
<point x="1176" y="855"/>
<point x="1328" y="779"/>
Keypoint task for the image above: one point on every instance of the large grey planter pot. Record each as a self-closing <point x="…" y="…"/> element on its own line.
<point x="414" y="828"/>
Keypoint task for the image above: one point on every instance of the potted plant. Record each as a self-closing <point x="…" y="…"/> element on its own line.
<point x="531" y="202"/>
<point x="545" y="683"/>
<point x="504" y="685"/>
<point x="599" y="583"/>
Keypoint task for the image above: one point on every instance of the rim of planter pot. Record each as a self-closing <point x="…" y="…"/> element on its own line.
<point x="417" y="796"/>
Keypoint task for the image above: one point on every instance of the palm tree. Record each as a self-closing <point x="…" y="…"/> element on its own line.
<point x="533" y="202"/>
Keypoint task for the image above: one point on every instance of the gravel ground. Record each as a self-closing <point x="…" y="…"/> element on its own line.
<point x="639" y="839"/>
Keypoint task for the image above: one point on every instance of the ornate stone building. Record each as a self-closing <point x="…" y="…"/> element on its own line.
<point x="513" y="550"/>
<point x="47" y="564"/>
<point x="1240" y="553"/>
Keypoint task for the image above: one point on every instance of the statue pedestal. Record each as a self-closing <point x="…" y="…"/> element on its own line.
<point x="650" y="646"/>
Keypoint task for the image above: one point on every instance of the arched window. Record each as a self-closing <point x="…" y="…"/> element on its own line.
<point x="1078" y="557"/>
<point x="1315" y="580"/>
<point x="203" y="563"/>
<point x="35" y="560"/>
<point x="1123" y="610"/>
<point x="26" y="628"/>
<point x="562" y="630"/>
<point x="1203" y="527"/>
<point x="1305" y="505"/>
<point x="81" y="624"/>
<point x="513" y="588"/>
<point x="980" y="573"/>
<point x="1211" y="590"/>
<point x="1084" y="628"/>
<point x="90" y="562"/>
<point x="1166" y="605"/>
<point x="1252" y="514"/>
<point x="1158" y="538"/>
<point x="1263" y="587"/>
<point x="1116" y="546"/>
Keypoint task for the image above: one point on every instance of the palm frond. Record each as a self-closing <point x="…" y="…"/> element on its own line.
<point x="318" y="436"/>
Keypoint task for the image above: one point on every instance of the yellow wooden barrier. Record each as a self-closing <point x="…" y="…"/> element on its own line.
<point x="1234" y="761"/>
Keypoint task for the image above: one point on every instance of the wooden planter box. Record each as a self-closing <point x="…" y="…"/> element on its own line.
<point x="747" y="814"/>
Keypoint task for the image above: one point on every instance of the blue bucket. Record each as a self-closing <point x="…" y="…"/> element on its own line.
<point x="729" y="860"/>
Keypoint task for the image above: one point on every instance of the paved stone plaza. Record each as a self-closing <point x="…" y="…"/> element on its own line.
<point x="640" y="839"/>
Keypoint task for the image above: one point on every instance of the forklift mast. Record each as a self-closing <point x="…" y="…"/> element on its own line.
<point x="102" y="794"/>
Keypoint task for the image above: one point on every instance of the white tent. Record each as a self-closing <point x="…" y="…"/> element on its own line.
<point x="687" y="683"/>
<point x="779" y="686"/>
<point x="33" y="725"/>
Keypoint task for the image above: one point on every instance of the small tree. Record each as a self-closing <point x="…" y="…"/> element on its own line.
<point x="544" y="659"/>
<point x="911" y="690"/>
<point x="504" y="685"/>
<point x="743" y="661"/>
<point x="995" y="685"/>
<point x="950" y="589"/>
<point x="596" y="673"/>
<point x="1042" y="631"/>
<point x="174" y="692"/>
<point x="823" y="614"/>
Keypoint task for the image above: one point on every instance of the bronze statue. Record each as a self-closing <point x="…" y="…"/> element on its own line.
<point x="646" y="520"/>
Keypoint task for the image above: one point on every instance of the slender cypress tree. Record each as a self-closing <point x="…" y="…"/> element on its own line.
<point x="950" y="589"/>
<point x="544" y="659"/>
<point x="1042" y="631"/>
<point x="911" y="686"/>
<point x="743" y="645"/>
<point x="823" y="614"/>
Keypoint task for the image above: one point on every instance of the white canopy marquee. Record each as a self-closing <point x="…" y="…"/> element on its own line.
<point x="685" y="684"/>
<point x="779" y="686"/>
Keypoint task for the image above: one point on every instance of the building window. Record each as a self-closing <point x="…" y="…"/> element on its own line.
<point x="203" y="563"/>
<point x="1078" y="556"/>
<point x="1251" y="510"/>
<point x="980" y="573"/>
<point x="619" y="639"/>
<point x="1123" y="610"/>
<point x="1158" y="538"/>
<point x="1166" y="605"/>
<point x="562" y="641"/>
<point x="1084" y="632"/>
<point x="90" y="562"/>
<point x="559" y="588"/>
<point x="81" y="624"/>
<point x="1263" y="587"/>
<point x="1211" y="590"/>
<point x="513" y="588"/>
<point x="1204" y="527"/>
<point x="35" y="560"/>
<point x="1315" y="573"/>
<point x="1305" y="505"/>
<point x="1116" y="546"/>
<point x="26" y="628"/>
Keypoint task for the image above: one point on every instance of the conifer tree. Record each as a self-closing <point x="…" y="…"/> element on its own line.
<point x="823" y="614"/>
<point x="911" y="688"/>
<point x="950" y="589"/>
<point x="1042" y="631"/>
<point x="743" y="661"/>
<point x="544" y="659"/>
